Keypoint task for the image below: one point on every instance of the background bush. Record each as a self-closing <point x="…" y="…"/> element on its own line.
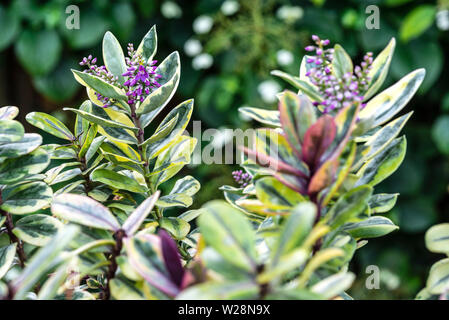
<point x="226" y="64"/>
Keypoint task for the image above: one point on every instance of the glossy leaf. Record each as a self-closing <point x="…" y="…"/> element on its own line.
<point x="372" y="227"/>
<point x="135" y="220"/>
<point x="26" y="198"/>
<point x="117" y="181"/>
<point x="37" y="229"/>
<point x="83" y="210"/>
<point x="50" y="125"/>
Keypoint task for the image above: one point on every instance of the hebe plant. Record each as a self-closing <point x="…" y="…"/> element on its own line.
<point x="96" y="220"/>
<point x="107" y="184"/>
<point x="311" y="202"/>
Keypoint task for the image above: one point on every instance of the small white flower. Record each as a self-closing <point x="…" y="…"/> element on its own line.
<point x="268" y="90"/>
<point x="192" y="47"/>
<point x="229" y="7"/>
<point x="171" y="10"/>
<point x="203" y="24"/>
<point x="290" y="14"/>
<point x="284" y="57"/>
<point x="443" y="20"/>
<point x="202" y="61"/>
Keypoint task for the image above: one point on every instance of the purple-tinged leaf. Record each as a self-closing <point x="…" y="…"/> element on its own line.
<point x="317" y="139"/>
<point x="172" y="259"/>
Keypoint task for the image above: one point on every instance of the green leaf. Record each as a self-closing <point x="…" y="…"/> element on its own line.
<point x="113" y="56"/>
<point x="227" y="231"/>
<point x="84" y="210"/>
<point x="117" y="181"/>
<point x="349" y="206"/>
<point x="162" y="132"/>
<point x="178" y="228"/>
<point x="50" y="287"/>
<point x="101" y="121"/>
<point x="294" y="230"/>
<point x="372" y="227"/>
<point x="148" y="45"/>
<point x="91" y="134"/>
<point x="124" y="289"/>
<point x="273" y="193"/>
<point x="386" y="104"/>
<point x="379" y="69"/>
<point x="38" y="51"/>
<point x="341" y="63"/>
<point x="42" y="261"/>
<point x="26" y="198"/>
<point x="187" y="185"/>
<point x="175" y="200"/>
<point x="10" y="26"/>
<point x="235" y="290"/>
<point x="269" y="117"/>
<point x="170" y="70"/>
<point x="438" y="280"/>
<point x="13" y="170"/>
<point x="384" y="164"/>
<point x="417" y="21"/>
<point x="301" y="85"/>
<point x="381" y="139"/>
<point x="171" y="160"/>
<point x="437" y="238"/>
<point x="382" y="202"/>
<point x="7" y="255"/>
<point x="37" y="229"/>
<point x="100" y="86"/>
<point x="30" y="142"/>
<point x="137" y="217"/>
<point x="93" y="148"/>
<point x="333" y="285"/>
<point x="50" y="125"/>
<point x="8" y="112"/>
<point x="10" y="131"/>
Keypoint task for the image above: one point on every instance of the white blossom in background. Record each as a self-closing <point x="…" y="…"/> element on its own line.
<point x="268" y="90"/>
<point x="202" y="61"/>
<point x="229" y="7"/>
<point x="290" y="14"/>
<point x="284" y="57"/>
<point x="221" y="138"/>
<point x="171" y="10"/>
<point x="203" y="24"/>
<point x="443" y="20"/>
<point x="192" y="47"/>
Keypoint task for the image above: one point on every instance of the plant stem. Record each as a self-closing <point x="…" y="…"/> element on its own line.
<point x="12" y="237"/>
<point x="143" y="156"/>
<point x="112" y="268"/>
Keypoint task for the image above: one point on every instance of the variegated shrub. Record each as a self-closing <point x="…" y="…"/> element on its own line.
<point x="107" y="182"/>
<point x="309" y="183"/>
<point x="96" y="223"/>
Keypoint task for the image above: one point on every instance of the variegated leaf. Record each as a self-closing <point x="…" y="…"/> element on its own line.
<point x="37" y="229"/>
<point x="269" y="117"/>
<point x="26" y="198"/>
<point x="13" y="170"/>
<point x="83" y="210"/>
<point x="7" y="255"/>
<point x="390" y="101"/>
<point x="50" y="125"/>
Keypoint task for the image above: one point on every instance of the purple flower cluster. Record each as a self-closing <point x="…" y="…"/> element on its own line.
<point x="140" y="77"/>
<point x="101" y="72"/>
<point x="241" y="178"/>
<point x="337" y="92"/>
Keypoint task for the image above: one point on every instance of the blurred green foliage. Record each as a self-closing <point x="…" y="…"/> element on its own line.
<point x="227" y="52"/>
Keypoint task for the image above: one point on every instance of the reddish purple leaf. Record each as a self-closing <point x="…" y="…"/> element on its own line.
<point x="317" y="139"/>
<point x="172" y="259"/>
